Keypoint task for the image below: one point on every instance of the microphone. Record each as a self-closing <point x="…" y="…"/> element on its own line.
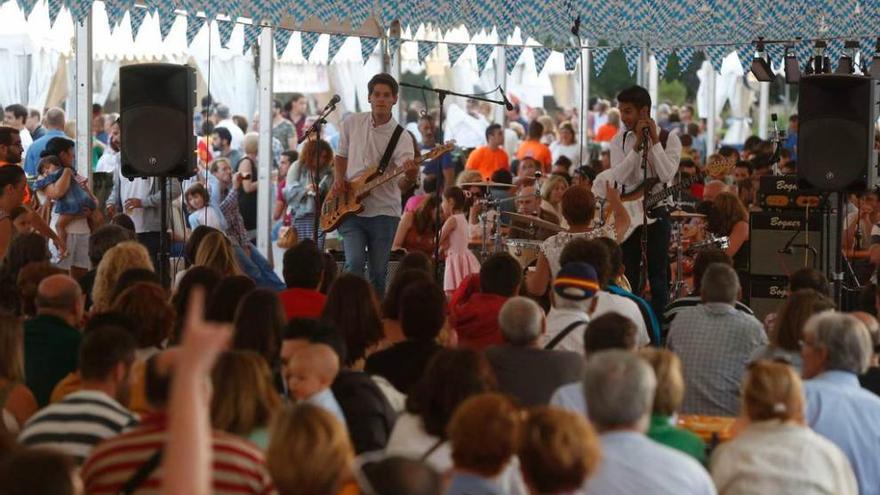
<point x="507" y="104"/>
<point x="333" y="101"/>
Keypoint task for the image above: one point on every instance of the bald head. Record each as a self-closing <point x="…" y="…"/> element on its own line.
<point x="318" y="359"/>
<point x="60" y="295"/>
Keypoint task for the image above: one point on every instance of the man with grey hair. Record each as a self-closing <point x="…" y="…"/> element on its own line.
<point x="620" y="386"/>
<point x="52" y="338"/>
<point x="714" y="341"/>
<point x="523" y="368"/>
<point x="836" y="348"/>
<point x="223" y="119"/>
<point x="55" y="120"/>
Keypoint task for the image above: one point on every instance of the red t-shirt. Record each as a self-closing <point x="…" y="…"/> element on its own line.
<point x="302" y="303"/>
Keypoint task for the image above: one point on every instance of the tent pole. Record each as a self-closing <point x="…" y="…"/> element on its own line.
<point x="763" y="108"/>
<point x="710" y="114"/>
<point x="265" y="196"/>
<point x="653" y="80"/>
<point x="584" y="110"/>
<point x="391" y="64"/>
<point x="83" y="109"/>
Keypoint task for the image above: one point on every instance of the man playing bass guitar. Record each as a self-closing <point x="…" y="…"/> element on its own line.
<point x="627" y="172"/>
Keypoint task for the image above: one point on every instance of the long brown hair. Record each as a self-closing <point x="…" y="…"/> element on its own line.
<point x="215" y="251"/>
<point x="424" y="220"/>
<point x="728" y="210"/>
<point x="352" y="308"/>
<point x="307" y="155"/>
<point x="244" y="398"/>
<point x="796" y="310"/>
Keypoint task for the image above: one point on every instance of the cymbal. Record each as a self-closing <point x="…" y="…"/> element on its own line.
<point x="685" y="214"/>
<point x="487" y="184"/>
<point x="535" y="221"/>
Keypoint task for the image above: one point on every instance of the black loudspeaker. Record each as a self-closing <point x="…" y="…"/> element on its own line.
<point x="781" y="242"/>
<point x="156" y="120"/>
<point x="836" y="115"/>
<point x="767" y="294"/>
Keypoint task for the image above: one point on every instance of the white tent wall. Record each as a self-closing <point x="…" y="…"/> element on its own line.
<point x="231" y="75"/>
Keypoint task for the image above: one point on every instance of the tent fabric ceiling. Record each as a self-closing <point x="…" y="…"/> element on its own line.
<point x="656" y="23"/>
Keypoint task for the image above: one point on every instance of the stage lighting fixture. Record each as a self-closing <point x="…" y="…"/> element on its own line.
<point x="792" y="69"/>
<point x="875" y="62"/>
<point x="818" y="63"/>
<point x="761" y="64"/>
<point x="846" y="64"/>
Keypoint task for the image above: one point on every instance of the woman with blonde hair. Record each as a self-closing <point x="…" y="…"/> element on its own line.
<point x="667" y="402"/>
<point x="247" y="190"/>
<point x="17" y="403"/>
<point x="116" y="261"/>
<point x="215" y="251"/>
<point x="243" y="400"/>
<point x="730" y="218"/>
<point x="552" y="191"/>
<point x="549" y="135"/>
<point x="775" y="452"/>
<point x="309" y="452"/>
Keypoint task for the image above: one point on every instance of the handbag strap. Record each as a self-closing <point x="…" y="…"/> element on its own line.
<point x="563" y="334"/>
<point x="142" y="474"/>
<point x="389" y="150"/>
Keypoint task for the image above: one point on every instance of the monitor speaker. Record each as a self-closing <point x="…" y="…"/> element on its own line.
<point x="781" y="242"/>
<point x="835" y="147"/>
<point x="156" y="120"/>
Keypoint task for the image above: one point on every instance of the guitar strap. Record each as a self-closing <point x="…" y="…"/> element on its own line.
<point x="389" y="150"/>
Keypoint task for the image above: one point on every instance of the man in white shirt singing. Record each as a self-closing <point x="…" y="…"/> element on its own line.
<point x="664" y="150"/>
<point x="363" y="139"/>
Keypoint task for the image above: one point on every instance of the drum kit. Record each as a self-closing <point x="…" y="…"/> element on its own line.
<point x="683" y="250"/>
<point x="516" y="235"/>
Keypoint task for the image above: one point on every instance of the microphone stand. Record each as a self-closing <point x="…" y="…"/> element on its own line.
<point x="643" y="271"/>
<point x="442" y="94"/>
<point x="316" y="130"/>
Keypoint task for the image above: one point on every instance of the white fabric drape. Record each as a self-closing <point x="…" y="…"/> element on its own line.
<point x="233" y="80"/>
<point x="13" y="84"/>
<point x="43" y="66"/>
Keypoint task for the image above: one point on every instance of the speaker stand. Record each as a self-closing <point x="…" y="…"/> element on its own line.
<point x="163" y="256"/>
<point x="837" y="248"/>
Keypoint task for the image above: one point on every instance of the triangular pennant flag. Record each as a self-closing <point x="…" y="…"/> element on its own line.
<point x="571" y="58"/>
<point x="541" y="55"/>
<point x="746" y="53"/>
<point x="685" y="57"/>
<point x="393" y="45"/>
<point x="661" y="55"/>
<point x="54" y="9"/>
<point x="483" y="54"/>
<point x="425" y="48"/>
<point x="27" y="6"/>
<point x="716" y="55"/>
<point x="336" y="42"/>
<point x="309" y="40"/>
<point x="225" y="28"/>
<point x="251" y="33"/>
<point x="211" y="10"/>
<point x="455" y="50"/>
<point x="115" y="12"/>
<point x="282" y="39"/>
<point x="834" y="51"/>
<point x="776" y="52"/>
<point x="136" y="18"/>
<point x="632" y="55"/>
<point x="166" y="20"/>
<point x="511" y="57"/>
<point x="193" y="26"/>
<point x="598" y="57"/>
<point x="79" y="9"/>
<point x="368" y="46"/>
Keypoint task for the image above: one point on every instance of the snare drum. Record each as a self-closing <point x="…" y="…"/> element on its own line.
<point x="524" y="250"/>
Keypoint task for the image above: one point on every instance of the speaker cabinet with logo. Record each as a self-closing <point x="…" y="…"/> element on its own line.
<point x="836" y="115"/>
<point x="784" y="241"/>
<point x="156" y="120"/>
<point x="767" y="294"/>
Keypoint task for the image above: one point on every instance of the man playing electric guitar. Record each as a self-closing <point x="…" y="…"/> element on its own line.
<point x="364" y="139"/>
<point x="626" y="170"/>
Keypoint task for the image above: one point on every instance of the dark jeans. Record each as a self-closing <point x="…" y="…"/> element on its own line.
<point x="658" y="262"/>
<point x="367" y="241"/>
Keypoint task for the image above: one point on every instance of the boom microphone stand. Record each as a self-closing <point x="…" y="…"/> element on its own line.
<point x="442" y="94"/>
<point x="316" y="130"/>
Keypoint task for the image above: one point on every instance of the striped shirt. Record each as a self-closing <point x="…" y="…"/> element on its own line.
<point x="239" y="466"/>
<point x="77" y="423"/>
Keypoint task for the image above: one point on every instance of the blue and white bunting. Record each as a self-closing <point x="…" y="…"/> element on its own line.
<point x="336" y="42"/>
<point x="79" y="9"/>
<point x="393" y="45"/>
<point x="368" y="46"/>
<point x="685" y="57"/>
<point x="309" y="40"/>
<point x="194" y="24"/>
<point x="166" y="21"/>
<point x="454" y="50"/>
<point x="598" y="57"/>
<point x="425" y="48"/>
<point x="716" y="54"/>
<point x="27" y="6"/>
<point x="541" y="54"/>
<point x="484" y="52"/>
<point x="225" y="28"/>
<point x="115" y="12"/>
<point x="54" y="10"/>
<point x="511" y="56"/>
<point x="251" y="33"/>
<point x="136" y="17"/>
<point x="661" y="55"/>
<point x="746" y="53"/>
<point x="282" y="39"/>
<point x="632" y="55"/>
<point x="571" y="58"/>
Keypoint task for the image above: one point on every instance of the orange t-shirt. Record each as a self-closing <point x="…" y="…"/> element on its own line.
<point x="487" y="161"/>
<point x="606" y="133"/>
<point x="537" y="150"/>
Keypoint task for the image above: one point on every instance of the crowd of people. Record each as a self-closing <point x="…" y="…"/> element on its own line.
<point x="561" y="365"/>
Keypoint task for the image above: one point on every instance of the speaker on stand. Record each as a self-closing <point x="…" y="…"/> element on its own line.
<point x="836" y="114"/>
<point x="156" y="123"/>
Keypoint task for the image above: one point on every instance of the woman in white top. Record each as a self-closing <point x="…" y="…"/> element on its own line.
<point x="775" y="452"/>
<point x="566" y="145"/>
<point x="579" y="210"/>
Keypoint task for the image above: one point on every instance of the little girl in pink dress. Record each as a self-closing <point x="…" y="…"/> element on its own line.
<point x="460" y="261"/>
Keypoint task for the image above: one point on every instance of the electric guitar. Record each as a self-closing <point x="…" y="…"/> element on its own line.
<point x="636" y="202"/>
<point x="337" y="207"/>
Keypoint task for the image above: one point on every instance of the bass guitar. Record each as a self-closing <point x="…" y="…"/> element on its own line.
<point x="337" y="207"/>
<point x="636" y="202"/>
